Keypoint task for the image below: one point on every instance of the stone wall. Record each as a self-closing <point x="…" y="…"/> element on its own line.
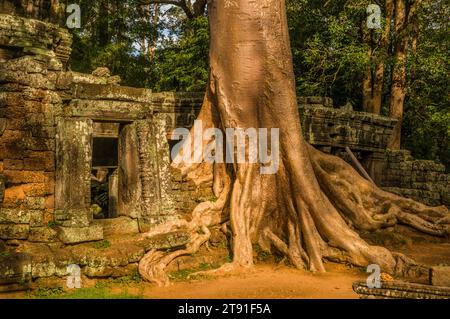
<point x="47" y="121"/>
<point x="28" y="102"/>
<point x="32" y="55"/>
<point x="187" y="195"/>
<point x="46" y="10"/>
<point x="21" y="36"/>
<point x="421" y="180"/>
<point x="2" y="185"/>
<point x="328" y="127"/>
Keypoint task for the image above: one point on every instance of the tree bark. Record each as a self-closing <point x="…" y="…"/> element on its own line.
<point x="373" y="79"/>
<point x="104" y="36"/>
<point x="381" y="58"/>
<point x="368" y="76"/>
<point x="398" y="85"/>
<point x="192" y="10"/>
<point x="313" y="206"/>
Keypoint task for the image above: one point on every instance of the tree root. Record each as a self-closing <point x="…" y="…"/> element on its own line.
<point x="305" y="239"/>
<point x="366" y="207"/>
<point x="152" y="265"/>
<point x="310" y="210"/>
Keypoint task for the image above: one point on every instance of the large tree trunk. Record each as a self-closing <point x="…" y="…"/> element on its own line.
<point x="368" y="76"/>
<point x="373" y="80"/>
<point x="398" y="85"/>
<point x="381" y="59"/>
<point x="312" y="207"/>
<point x="103" y="30"/>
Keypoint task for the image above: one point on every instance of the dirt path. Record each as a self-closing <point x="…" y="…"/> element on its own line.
<point x="265" y="282"/>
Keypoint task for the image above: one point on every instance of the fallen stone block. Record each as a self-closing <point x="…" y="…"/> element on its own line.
<point x="42" y="235"/>
<point x="14" y="231"/>
<point x="14" y="268"/>
<point x="119" y="226"/>
<point x="399" y="289"/>
<point x="74" y="235"/>
<point x="440" y="276"/>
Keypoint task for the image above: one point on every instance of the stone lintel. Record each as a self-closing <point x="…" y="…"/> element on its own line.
<point x="108" y="110"/>
<point x="93" y="91"/>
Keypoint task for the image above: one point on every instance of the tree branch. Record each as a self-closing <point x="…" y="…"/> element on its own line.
<point x="199" y="7"/>
<point x="191" y="11"/>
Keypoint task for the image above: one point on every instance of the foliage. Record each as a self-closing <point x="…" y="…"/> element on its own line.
<point x="100" y="195"/>
<point x="330" y="57"/>
<point x="426" y="127"/>
<point x="5" y="254"/>
<point x="185" y="274"/>
<point x="328" y="47"/>
<point x="52" y="224"/>
<point x="184" y="65"/>
<point x="103" y="244"/>
<point x="96" y="292"/>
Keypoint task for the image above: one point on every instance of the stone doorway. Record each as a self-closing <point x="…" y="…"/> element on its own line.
<point x="97" y="171"/>
<point x="104" y="173"/>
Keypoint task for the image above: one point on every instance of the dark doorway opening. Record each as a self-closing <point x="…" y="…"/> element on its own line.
<point x="104" y="177"/>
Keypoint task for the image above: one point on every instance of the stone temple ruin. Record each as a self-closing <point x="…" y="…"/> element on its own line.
<point x="64" y="135"/>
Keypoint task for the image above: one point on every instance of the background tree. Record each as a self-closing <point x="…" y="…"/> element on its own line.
<point x="335" y="55"/>
<point x="426" y="123"/>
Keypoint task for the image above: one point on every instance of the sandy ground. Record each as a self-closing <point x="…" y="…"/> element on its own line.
<point x="266" y="281"/>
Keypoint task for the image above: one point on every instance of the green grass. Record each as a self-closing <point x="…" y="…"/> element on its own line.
<point x="134" y="278"/>
<point x="52" y="224"/>
<point x="101" y="290"/>
<point x="96" y="292"/>
<point x="5" y="254"/>
<point x="183" y="274"/>
<point x="46" y="293"/>
<point x="263" y="256"/>
<point x="102" y="244"/>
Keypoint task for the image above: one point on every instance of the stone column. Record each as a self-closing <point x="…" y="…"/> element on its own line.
<point x="154" y="160"/>
<point x="73" y="181"/>
<point x="130" y="187"/>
